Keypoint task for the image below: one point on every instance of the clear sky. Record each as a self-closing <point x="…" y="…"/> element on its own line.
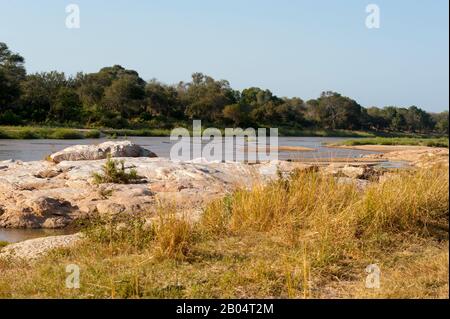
<point x="294" y="48"/>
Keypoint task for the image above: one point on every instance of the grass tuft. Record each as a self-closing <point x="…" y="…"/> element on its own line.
<point x="174" y="237"/>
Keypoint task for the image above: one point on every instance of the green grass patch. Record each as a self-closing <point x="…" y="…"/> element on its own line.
<point x="92" y="134"/>
<point x="286" y="131"/>
<point x="66" y="134"/>
<point x="30" y="132"/>
<point x="3" y="244"/>
<point x="431" y="142"/>
<point x="157" y="132"/>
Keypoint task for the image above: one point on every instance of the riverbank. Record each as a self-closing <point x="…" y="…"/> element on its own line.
<point x="277" y="240"/>
<point x="30" y="132"/>
<point x="36" y="132"/>
<point x="227" y="230"/>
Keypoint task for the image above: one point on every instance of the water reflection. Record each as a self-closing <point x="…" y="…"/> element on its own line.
<point x="16" y="235"/>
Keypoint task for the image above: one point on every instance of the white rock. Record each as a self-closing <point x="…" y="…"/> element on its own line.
<point x="35" y="248"/>
<point x="101" y="151"/>
<point x="29" y="200"/>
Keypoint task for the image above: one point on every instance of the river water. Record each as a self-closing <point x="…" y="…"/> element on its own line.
<point x="34" y="150"/>
<point x="16" y="235"/>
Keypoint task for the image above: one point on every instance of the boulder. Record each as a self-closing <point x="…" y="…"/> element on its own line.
<point x="32" y="211"/>
<point x="101" y="151"/>
<point x="352" y="171"/>
<point x="35" y="248"/>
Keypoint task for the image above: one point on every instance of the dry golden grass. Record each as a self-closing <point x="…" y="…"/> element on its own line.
<point x="173" y="236"/>
<point x="305" y="236"/>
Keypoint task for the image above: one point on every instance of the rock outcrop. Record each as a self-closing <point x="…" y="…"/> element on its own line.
<point x="354" y="171"/>
<point x="46" y="194"/>
<point x="42" y="194"/>
<point x="101" y="151"/>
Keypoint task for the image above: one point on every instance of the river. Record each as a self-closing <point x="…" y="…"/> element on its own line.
<point x="35" y="150"/>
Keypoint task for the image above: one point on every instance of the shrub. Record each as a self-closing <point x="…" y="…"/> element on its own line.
<point x="115" y="172"/>
<point x="10" y="118"/>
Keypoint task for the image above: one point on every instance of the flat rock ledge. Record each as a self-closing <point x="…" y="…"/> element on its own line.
<point x="47" y="195"/>
<point x="32" y="249"/>
<point x="42" y="194"/>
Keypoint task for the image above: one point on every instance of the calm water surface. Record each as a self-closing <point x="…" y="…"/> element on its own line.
<point x="34" y="150"/>
<point x="16" y="235"/>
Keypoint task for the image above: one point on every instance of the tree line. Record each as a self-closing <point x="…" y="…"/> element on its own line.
<point x="115" y="97"/>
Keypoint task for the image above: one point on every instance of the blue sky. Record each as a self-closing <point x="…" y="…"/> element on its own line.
<point x="294" y="48"/>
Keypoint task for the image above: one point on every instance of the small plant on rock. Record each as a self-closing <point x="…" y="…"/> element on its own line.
<point x="115" y="172"/>
<point x="3" y="244"/>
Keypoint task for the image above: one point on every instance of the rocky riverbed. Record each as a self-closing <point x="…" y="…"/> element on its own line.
<point x="55" y="193"/>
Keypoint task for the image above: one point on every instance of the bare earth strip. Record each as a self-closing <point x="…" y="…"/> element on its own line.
<point x="280" y="148"/>
<point x="382" y="148"/>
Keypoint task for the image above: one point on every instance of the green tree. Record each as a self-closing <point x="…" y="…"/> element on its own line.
<point x="162" y="100"/>
<point x="441" y="122"/>
<point x="67" y="106"/>
<point x="205" y="98"/>
<point x="334" y="111"/>
<point x="12" y="72"/>
<point x="237" y="114"/>
<point x="417" y="120"/>
<point x="39" y="92"/>
<point x="377" y="119"/>
<point x="111" y="96"/>
<point x="125" y="95"/>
